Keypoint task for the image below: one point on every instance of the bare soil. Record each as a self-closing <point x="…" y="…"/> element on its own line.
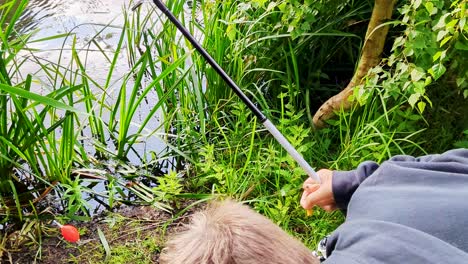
<point x="135" y="234"/>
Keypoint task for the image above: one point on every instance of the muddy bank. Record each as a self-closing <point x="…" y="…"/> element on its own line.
<point x="129" y="235"/>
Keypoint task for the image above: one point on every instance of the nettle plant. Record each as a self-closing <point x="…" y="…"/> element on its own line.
<point x="433" y="45"/>
<point x="297" y="17"/>
<point x="244" y="160"/>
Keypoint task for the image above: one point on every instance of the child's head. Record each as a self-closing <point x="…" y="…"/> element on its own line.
<point x="231" y="233"/>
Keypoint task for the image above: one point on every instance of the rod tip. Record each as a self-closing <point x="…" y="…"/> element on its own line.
<point x="137" y="5"/>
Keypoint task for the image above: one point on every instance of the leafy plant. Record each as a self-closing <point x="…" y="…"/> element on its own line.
<point x="464" y="142"/>
<point x="28" y="121"/>
<point x="169" y="186"/>
<point x="433" y="45"/>
<point x="268" y="44"/>
<point x="276" y="51"/>
<point x="73" y="196"/>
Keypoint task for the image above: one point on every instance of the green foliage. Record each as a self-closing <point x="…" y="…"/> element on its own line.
<point x="276" y="51"/>
<point x="376" y="132"/>
<point x="464" y="142"/>
<point x="243" y="162"/>
<point x="169" y="186"/>
<point x="43" y="135"/>
<point x="266" y="46"/>
<point x="291" y="17"/>
<point x="29" y="121"/>
<point x="432" y="46"/>
<point x="73" y="195"/>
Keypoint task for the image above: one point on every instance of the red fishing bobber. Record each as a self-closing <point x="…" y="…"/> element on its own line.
<point x="69" y="232"/>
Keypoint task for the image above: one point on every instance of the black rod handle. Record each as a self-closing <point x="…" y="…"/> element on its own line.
<point x="211" y="61"/>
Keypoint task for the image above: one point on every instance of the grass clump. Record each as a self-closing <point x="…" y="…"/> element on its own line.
<point x="131" y="234"/>
<point x="167" y="128"/>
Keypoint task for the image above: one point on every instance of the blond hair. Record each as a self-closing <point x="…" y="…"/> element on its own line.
<point x="231" y="233"/>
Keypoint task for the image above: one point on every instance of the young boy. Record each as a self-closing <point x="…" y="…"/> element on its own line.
<point x="231" y="233"/>
<point x="407" y="210"/>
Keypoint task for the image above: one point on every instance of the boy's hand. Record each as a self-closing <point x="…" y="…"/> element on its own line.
<point x="319" y="194"/>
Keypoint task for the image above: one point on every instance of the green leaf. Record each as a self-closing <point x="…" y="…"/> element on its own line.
<point x="64" y="35"/>
<point x="282" y="7"/>
<point x="305" y="26"/>
<point x="461" y="82"/>
<point x="231" y="31"/>
<point x="413" y="99"/>
<point x="398" y="42"/>
<point x="419" y="87"/>
<point x="104" y="243"/>
<point x="451" y="25"/>
<point x="402" y="67"/>
<point x="260" y="3"/>
<point x="462" y="23"/>
<point x="271" y="5"/>
<point x="421" y="106"/>
<point x="461" y="144"/>
<point x="437" y="70"/>
<point x="417" y="74"/>
<point x="439" y="55"/>
<point x="465" y="94"/>
<point x="417" y="3"/>
<point x="441" y="34"/>
<point x="445" y="40"/>
<point x="36" y="97"/>
<point x="441" y="23"/>
<point x="408" y="52"/>
<point x="428" y="81"/>
<point x="430" y="8"/>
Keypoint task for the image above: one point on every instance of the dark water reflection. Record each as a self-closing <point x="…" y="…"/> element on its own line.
<point x="32" y="16"/>
<point x="61" y="16"/>
<point x="95" y="26"/>
<point x="35" y="13"/>
<point x="100" y="21"/>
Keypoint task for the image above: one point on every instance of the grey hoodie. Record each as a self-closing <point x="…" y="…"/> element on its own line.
<point x="407" y="210"/>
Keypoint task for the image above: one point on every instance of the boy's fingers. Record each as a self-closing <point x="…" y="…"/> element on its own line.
<point x="329" y="208"/>
<point x="309" y="181"/>
<point x="309" y="188"/>
<point x="319" y="194"/>
<point x="304" y="203"/>
<point x="319" y="197"/>
<point x="311" y="196"/>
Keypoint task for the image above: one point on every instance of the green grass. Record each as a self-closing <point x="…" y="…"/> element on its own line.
<point x="215" y="146"/>
<point x="46" y="132"/>
<point x="29" y="121"/>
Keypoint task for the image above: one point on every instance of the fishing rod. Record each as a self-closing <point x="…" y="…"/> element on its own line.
<point x="262" y="118"/>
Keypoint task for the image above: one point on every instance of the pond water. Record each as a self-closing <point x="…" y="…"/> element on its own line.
<point x="94" y="27"/>
<point x="99" y="20"/>
<point x="54" y="16"/>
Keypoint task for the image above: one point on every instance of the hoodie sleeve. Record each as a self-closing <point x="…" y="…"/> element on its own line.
<point x="455" y="155"/>
<point x="344" y="183"/>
